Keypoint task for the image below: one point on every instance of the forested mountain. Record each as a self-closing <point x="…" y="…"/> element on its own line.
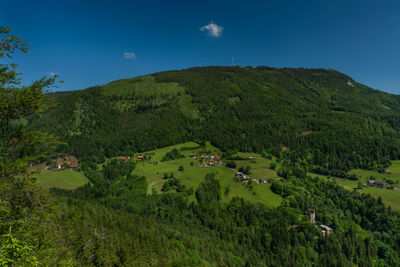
<point x="319" y="118"/>
<point x="312" y="120"/>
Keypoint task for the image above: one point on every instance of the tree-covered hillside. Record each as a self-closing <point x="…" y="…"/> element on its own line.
<point x="319" y="118"/>
<point x="114" y="223"/>
<point x="310" y="119"/>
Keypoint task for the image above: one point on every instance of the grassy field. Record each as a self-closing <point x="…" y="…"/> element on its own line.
<point x="192" y="176"/>
<point x="259" y="165"/>
<point x="141" y="86"/>
<point x="389" y="197"/>
<point x="67" y="179"/>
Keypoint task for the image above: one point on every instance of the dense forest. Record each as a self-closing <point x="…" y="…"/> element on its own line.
<point x="320" y="118"/>
<point x="207" y="231"/>
<point x="310" y="119"/>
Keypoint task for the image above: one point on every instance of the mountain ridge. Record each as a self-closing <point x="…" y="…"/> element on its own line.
<point x="248" y="109"/>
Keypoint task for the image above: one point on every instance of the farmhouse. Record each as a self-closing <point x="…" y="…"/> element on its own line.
<point x="213" y="156"/>
<point x="242" y="176"/>
<point x="214" y="163"/>
<point x="210" y="157"/>
<point x="60" y="165"/>
<point x="210" y="163"/>
<point x="206" y="156"/>
<point x="73" y="165"/>
<point x="124" y="159"/>
<point x="377" y="183"/>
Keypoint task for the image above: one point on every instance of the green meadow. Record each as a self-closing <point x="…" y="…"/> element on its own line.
<point x="66" y="179"/>
<point x="193" y="175"/>
<point x="392" y="173"/>
<point x="141" y="86"/>
<point x="259" y="165"/>
<point x="390" y="197"/>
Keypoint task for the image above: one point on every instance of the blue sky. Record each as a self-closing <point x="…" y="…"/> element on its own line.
<point x="94" y="42"/>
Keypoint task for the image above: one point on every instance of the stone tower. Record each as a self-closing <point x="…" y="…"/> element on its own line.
<point x="311" y="215"/>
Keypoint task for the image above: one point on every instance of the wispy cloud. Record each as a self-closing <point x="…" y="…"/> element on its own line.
<point x="53" y="74"/>
<point x="129" y="55"/>
<point x="213" y="29"/>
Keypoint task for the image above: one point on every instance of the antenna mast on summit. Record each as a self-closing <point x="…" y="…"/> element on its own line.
<point x="233" y="63"/>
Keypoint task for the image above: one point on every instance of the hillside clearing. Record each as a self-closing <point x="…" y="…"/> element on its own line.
<point x="67" y="179"/>
<point x="193" y="175"/>
<point x="390" y="197"/>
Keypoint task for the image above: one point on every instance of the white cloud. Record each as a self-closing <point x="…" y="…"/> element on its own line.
<point x="129" y="55"/>
<point x="53" y="74"/>
<point x="213" y="29"/>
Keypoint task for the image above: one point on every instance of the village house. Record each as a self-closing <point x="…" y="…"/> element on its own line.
<point x="214" y="163"/>
<point x="242" y="176"/>
<point x="377" y="183"/>
<point x="124" y="159"/>
<point x="210" y="163"/>
<point x="73" y="165"/>
<point x="205" y="156"/>
<point x="262" y="181"/>
<point x="60" y="165"/>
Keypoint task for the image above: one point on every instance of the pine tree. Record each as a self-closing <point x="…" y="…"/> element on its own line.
<point x="22" y="203"/>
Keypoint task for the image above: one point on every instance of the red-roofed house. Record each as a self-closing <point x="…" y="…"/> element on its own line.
<point x="74" y="165"/>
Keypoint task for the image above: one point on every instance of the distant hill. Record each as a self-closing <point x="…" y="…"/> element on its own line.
<point x="316" y="117"/>
<point x="166" y="208"/>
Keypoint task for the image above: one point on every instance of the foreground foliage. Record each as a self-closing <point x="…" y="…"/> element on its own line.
<point x="27" y="232"/>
